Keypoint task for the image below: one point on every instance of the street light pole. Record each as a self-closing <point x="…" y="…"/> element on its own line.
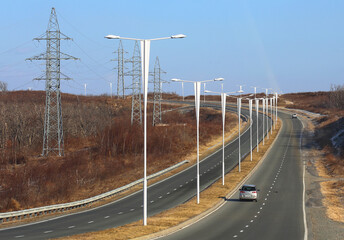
<point x="263" y="102"/>
<point x="223" y="105"/>
<point x="250" y="107"/>
<point x="239" y="114"/>
<point x="197" y="87"/>
<point x="145" y="49"/>
<point x="257" y="109"/>
<point x="204" y="92"/>
<point x="183" y="90"/>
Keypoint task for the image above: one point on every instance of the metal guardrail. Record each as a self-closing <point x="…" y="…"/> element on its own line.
<point x="27" y="213"/>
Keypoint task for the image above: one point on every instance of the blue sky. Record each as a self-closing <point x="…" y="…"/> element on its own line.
<point x="287" y="45"/>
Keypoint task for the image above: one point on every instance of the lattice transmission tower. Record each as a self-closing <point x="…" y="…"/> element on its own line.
<point x="53" y="127"/>
<point x="157" y="82"/>
<point x="120" y="70"/>
<point x="135" y="73"/>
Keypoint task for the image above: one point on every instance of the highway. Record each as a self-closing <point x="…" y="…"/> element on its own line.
<point x="161" y="196"/>
<point x="278" y="214"/>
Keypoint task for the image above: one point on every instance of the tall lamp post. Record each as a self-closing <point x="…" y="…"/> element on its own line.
<point x="223" y="108"/>
<point x="197" y="87"/>
<point x="145" y="49"/>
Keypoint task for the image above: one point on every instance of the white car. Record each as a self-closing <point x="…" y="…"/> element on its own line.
<point x="294" y="115"/>
<point x="248" y="192"/>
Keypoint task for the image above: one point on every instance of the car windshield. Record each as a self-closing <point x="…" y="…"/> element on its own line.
<point x="247" y="188"/>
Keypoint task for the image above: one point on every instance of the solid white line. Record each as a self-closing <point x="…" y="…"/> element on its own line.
<point x="305" y="237"/>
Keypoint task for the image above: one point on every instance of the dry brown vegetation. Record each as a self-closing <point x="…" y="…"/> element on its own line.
<point x="100" y="146"/>
<point x="209" y="199"/>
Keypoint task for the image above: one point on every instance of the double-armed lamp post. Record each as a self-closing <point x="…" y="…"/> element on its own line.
<point x="197" y="87"/>
<point x="145" y="50"/>
<point x="223" y="107"/>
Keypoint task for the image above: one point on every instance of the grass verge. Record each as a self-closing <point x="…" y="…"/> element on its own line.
<point x="189" y="211"/>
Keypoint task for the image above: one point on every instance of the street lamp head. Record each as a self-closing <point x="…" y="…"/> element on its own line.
<point x="112" y="37"/>
<point x="178" y="36"/>
<point x="175" y="79"/>
<point x="219" y="79"/>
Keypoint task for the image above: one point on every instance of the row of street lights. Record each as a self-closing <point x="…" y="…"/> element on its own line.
<point x="145" y="52"/>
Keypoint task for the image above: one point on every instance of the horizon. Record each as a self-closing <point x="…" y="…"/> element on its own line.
<point x="289" y="46"/>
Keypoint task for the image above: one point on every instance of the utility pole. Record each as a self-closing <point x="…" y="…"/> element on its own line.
<point x="136" y="74"/>
<point x="53" y="128"/>
<point x="120" y="70"/>
<point x="157" y="81"/>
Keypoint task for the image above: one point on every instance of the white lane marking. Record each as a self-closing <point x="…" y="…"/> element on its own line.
<point x="305" y="236"/>
<point x="175" y="189"/>
<point x="152" y="201"/>
<point x="120" y="213"/>
<point x="71" y="227"/>
<point x="261" y="207"/>
<point x="20" y="236"/>
<point x="251" y="221"/>
<point x="235" y="236"/>
<point x="241" y="230"/>
<point x="132" y="209"/>
<point x="263" y="204"/>
<point x="106" y="216"/>
<point x="168" y="193"/>
<point x="160" y="197"/>
<point x="255" y="216"/>
<point x="48" y="231"/>
<point x="180" y="185"/>
<point x="258" y="212"/>
<point x="246" y="226"/>
<point x="266" y="199"/>
<point x="90" y="222"/>
<point x="186" y="182"/>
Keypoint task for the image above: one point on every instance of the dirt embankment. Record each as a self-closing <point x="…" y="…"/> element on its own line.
<point x="324" y="148"/>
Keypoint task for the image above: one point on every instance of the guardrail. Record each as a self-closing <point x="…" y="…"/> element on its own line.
<point x="32" y="212"/>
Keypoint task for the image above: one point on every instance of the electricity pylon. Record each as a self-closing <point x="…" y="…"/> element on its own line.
<point x="135" y="73"/>
<point x="157" y="82"/>
<point x="120" y="70"/>
<point x="53" y="128"/>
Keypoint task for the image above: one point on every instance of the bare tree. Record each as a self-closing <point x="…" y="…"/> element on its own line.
<point x="3" y="86"/>
<point x="337" y="96"/>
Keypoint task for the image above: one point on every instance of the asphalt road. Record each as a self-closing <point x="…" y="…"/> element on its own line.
<point x="278" y="214"/>
<point x="161" y="196"/>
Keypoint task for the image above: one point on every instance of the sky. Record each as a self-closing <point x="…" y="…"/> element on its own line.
<point x="286" y="45"/>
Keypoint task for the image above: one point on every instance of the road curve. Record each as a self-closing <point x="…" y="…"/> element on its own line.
<point x="161" y="196"/>
<point x="278" y="214"/>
